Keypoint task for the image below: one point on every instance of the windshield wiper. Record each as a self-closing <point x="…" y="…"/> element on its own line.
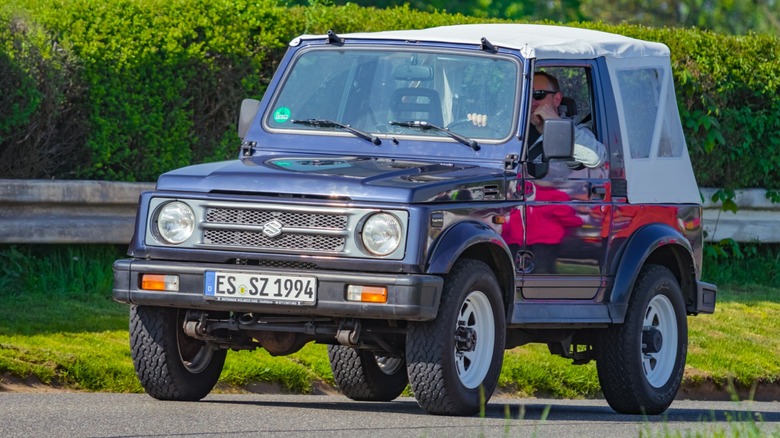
<point x="325" y="123"/>
<point x="427" y="126"/>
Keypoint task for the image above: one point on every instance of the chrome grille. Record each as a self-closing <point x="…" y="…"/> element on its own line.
<point x="274" y="228"/>
<point x="288" y="218"/>
<point x="288" y="227"/>
<point x="308" y="242"/>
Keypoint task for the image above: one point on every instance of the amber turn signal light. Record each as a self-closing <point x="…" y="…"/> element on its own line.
<point x="160" y="282"/>
<point x="367" y="294"/>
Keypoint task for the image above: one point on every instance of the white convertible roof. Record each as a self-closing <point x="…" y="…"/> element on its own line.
<point x="533" y="40"/>
<point x="658" y="167"/>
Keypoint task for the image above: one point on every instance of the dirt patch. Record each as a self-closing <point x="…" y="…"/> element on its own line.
<point x="318" y="388"/>
<point x="709" y="390"/>
<point x="10" y="383"/>
<point x="702" y="390"/>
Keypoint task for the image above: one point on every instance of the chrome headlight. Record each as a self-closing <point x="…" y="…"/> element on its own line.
<point x="175" y="222"/>
<point x="382" y="234"/>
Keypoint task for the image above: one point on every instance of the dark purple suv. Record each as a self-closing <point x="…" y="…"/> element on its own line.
<point x="421" y="201"/>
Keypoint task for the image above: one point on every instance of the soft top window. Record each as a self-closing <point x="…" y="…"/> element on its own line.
<point x="369" y="89"/>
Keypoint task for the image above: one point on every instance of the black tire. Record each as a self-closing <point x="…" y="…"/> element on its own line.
<point x="170" y="364"/>
<point x="457" y="377"/>
<point x="639" y="379"/>
<point x="364" y="376"/>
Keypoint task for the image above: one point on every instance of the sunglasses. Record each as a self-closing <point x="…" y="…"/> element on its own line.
<point x="541" y="94"/>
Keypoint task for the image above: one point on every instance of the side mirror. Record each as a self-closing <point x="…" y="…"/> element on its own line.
<point x="557" y="143"/>
<point x="558" y="140"/>
<point x="248" y="112"/>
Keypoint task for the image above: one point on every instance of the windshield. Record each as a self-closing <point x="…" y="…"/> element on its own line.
<point x="369" y="89"/>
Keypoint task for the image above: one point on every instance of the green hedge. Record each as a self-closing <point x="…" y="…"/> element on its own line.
<point x="128" y="89"/>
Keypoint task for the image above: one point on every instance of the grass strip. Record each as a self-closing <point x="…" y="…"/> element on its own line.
<point x="58" y="325"/>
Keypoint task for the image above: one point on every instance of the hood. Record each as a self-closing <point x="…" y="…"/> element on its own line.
<point x="343" y="177"/>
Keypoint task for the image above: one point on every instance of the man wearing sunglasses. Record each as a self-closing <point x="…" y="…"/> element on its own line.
<point x="546" y="105"/>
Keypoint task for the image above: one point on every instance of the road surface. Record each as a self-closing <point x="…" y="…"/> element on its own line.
<point x="238" y="415"/>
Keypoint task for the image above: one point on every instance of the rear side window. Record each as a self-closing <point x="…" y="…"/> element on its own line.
<point x="641" y="90"/>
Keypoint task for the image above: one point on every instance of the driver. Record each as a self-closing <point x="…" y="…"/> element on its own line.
<point x="545" y="103"/>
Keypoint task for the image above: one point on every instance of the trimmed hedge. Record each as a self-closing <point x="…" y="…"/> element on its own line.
<point x="128" y="89"/>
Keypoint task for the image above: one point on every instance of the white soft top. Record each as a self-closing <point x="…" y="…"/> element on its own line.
<point x="658" y="167"/>
<point x="533" y="40"/>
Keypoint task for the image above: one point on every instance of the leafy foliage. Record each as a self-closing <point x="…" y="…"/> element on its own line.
<point x="128" y="89"/>
<point x="731" y="17"/>
<point x="42" y="117"/>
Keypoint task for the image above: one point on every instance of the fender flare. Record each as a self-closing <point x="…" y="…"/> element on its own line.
<point x="634" y="255"/>
<point x="458" y="239"/>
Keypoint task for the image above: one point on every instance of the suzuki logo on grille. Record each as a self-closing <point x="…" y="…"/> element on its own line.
<point x="272" y="228"/>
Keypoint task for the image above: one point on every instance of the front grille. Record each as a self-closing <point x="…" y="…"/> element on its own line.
<point x="287" y="265"/>
<point x="290" y="229"/>
<point x="280" y="264"/>
<point x="288" y="218"/>
<point x="295" y="230"/>
<point x="308" y="242"/>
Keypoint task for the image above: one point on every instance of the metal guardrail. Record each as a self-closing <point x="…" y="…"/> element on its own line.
<point x="60" y="211"/>
<point x="757" y="219"/>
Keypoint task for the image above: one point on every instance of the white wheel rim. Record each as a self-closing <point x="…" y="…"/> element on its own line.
<point x="658" y="366"/>
<point x="475" y="314"/>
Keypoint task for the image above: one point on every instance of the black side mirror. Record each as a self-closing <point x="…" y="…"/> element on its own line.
<point x="557" y="144"/>
<point x="248" y="112"/>
<point x="558" y="140"/>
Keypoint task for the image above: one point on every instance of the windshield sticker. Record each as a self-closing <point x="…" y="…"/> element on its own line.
<point x="282" y="114"/>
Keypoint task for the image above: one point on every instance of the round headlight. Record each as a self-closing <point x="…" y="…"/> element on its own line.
<point x="382" y="234"/>
<point x="175" y="222"/>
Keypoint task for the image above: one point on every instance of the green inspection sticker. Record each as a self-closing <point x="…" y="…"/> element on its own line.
<point x="282" y="114"/>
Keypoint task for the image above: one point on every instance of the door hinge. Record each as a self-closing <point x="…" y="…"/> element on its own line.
<point x="248" y="148"/>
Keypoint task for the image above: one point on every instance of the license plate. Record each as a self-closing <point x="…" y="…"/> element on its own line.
<point x="261" y="288"/>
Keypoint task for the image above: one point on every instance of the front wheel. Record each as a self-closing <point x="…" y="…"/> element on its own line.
<point x="170" y="364"/>
<point x="454" y="361"/>
<point x="641" y="362"/>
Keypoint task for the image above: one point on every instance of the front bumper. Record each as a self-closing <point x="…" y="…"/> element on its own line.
<point x="409" y="297"/>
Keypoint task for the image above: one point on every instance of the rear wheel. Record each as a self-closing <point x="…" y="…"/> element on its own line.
<point x="454" y="361"/>
<point x="365" y="376"/>
<point x="170" y="364"/>
<point x="641" y="362"/>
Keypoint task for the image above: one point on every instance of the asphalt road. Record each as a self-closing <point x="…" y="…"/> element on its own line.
<point x="121" y="415"/>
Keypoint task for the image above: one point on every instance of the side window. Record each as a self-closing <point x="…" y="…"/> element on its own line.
<point x="671" y="142"/>
<point x="577" y="92"/>
<point x="640" y="90"/>
<point x="577" y="103"/>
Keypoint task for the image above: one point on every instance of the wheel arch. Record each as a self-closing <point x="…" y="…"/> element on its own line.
<point x="653" y="244"/>
<point x="480" y="242"/>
